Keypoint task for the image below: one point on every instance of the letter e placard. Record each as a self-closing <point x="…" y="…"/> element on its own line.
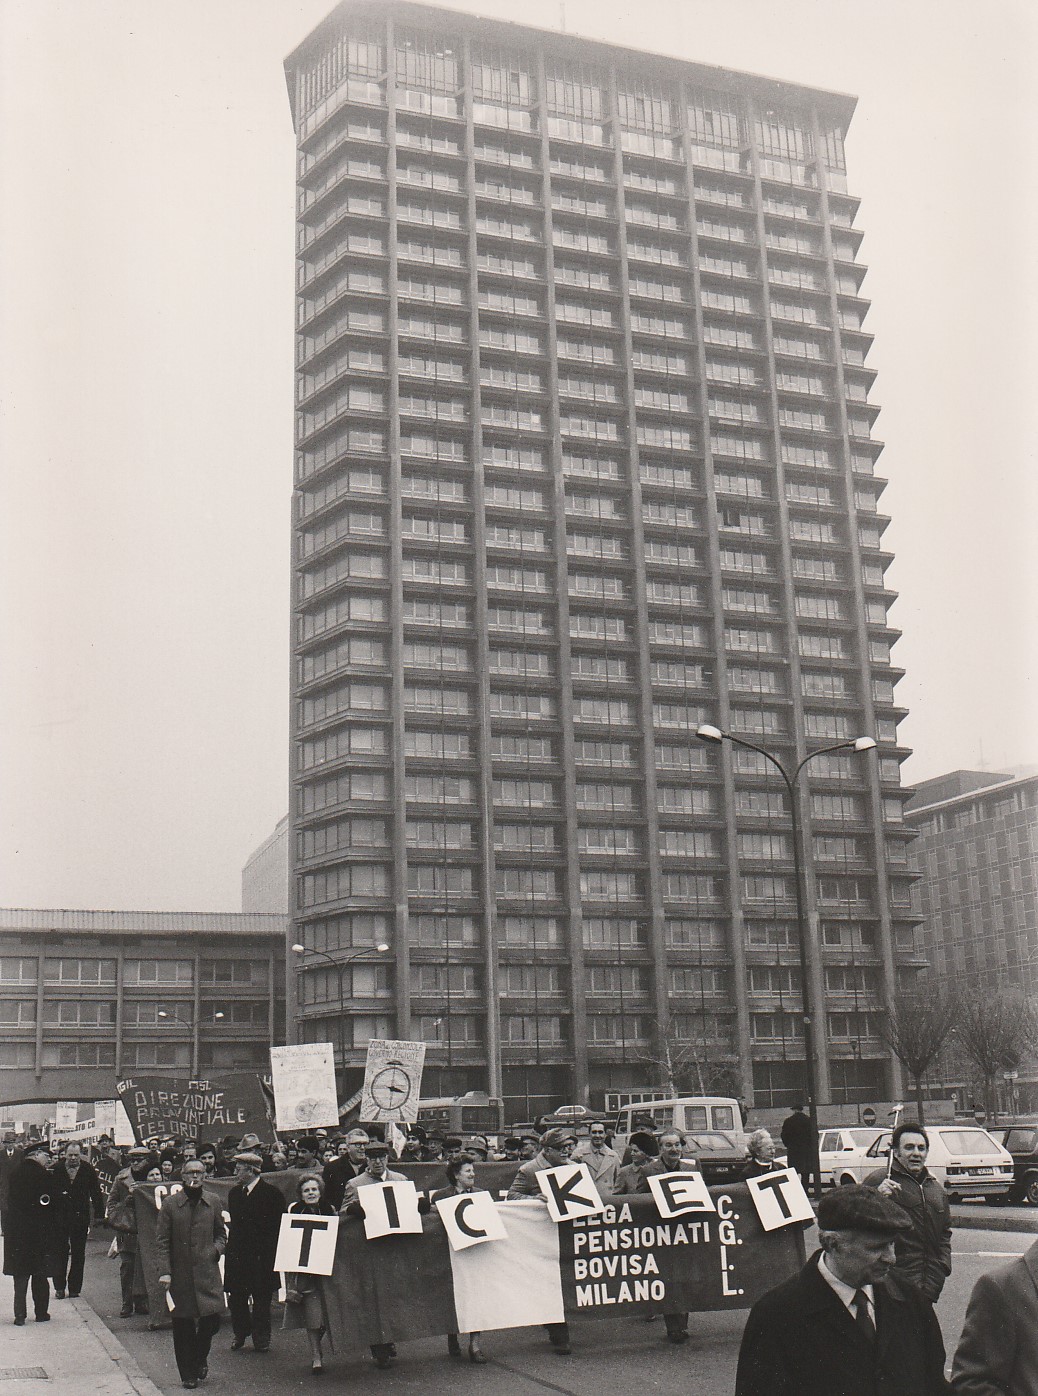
<point x="390" y="1209"/>
<point x="570" y="1192"/>
<point x="780" y="1199"/>
<point x="306" y="1244"/>
<point x="678" y="1193"/>
<point x="469" y="1219"/>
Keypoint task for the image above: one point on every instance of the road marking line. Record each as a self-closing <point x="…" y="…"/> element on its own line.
<point x="989" y="1255"/>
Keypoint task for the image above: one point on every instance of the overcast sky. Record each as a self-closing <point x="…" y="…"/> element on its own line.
<point x="146" y="206"/>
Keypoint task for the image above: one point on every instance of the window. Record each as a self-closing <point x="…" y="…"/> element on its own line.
<point x="87" y="971"/>
<point x="23" y="1054"/>
<point x="138" y="1055"/>
<point x="612" y="932"/>
<point x="529" y="1029"/>
<point x="16" y="969"/>
<point x="529" y="931"/>
<point x="21" y="1013"/>
<point x="88" y="1054"/>
<point x="159" y="1013"/>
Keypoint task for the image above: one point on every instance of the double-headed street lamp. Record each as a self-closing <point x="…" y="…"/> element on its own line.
<point x="708" y="733"/>
<point x="340" y="966"/>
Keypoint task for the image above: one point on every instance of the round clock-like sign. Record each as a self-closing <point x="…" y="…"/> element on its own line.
<point x="390" y="1087"/>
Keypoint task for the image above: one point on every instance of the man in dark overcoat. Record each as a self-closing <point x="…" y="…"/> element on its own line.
<point x="79" y="1182"/>
<point x="10" y="1158"/>
<point x="189" y="1240"/>
<point x="998" y="1350"/>
<point x="255" y="1209"/>
<point x="846" y="1323"/>
<point x="801" y="1143"/>
<point x="33" y="1231"/>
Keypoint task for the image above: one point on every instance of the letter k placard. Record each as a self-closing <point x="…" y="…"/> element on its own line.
<point x="570" y="1192"/>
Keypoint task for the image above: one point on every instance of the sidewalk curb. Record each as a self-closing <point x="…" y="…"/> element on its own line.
<point x="966" y="1222"/>
<point x="138" y="1380"/>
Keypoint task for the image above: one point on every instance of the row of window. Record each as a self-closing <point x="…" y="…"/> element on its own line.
<point x="135" y="1055"/>
<point x="97" y="970"/>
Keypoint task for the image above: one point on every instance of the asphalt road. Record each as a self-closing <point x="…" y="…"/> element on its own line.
<point x="628" y="1354"/>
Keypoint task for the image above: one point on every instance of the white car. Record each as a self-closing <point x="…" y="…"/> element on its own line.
<point x="839" y="1150"/>
<point x="964" y="1158"/>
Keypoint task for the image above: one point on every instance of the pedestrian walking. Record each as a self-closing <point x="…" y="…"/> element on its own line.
<point x="847" y="1324"/>
<point x="32" y="1234"/>
<point x="801" y="1143"/>
<point x="998" y="1350"/>
<point x="119" y="1213"/>
<point x="189" y="1240"/>
<point x="255" y="1210"/>
<point x="10" y="1158"/>
<point x="461" y="1178"/>
<point x="78" y="1182"/>
<point x="305" y="1305"/>
<point x="923" y="1253"/>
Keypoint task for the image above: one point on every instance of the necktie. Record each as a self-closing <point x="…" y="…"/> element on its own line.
<point x="862" y="1317"/>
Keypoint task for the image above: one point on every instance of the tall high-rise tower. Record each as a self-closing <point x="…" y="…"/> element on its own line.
<point x="584" y="460"/>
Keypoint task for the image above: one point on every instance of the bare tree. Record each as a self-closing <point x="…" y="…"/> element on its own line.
<point x="690" y="1063"/>
<point x="997" y="1027"/>
<point x="917" y="1026"/>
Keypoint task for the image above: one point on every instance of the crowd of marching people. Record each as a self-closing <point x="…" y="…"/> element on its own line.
<point x="864" y="1299"/>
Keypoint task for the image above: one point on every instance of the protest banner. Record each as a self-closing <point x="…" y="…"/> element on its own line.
<point x="303" y="1082"/>
<point x="82" y="1132"/>
<point x="626" y="1260"/>
<point x="779" y="1198"/>
<point x="157" y="1105"/>
<point x="392" y="1081"/>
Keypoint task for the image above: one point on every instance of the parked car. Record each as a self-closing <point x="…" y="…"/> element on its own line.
<point x="1021" y="1139"/>
<point x="839" y="1149"/>
<point x="964" y="1158"/>
<point x="690" y="1114"/>
<point x="720" y="1159"/>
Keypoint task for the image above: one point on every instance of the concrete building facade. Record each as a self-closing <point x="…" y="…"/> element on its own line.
<point x="584" y="460"/>
<point x="87" y="997"/>
<point x="976" y="854"/>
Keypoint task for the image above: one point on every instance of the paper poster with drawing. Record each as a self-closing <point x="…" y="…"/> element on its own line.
<point x="303" y="1079"/>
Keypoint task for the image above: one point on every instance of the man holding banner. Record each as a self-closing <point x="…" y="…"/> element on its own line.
<point x="556" y="1147"/>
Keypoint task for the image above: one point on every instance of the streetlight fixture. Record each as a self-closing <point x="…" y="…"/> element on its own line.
<point x="340" y="966"/>
<point x="708" y="733"/>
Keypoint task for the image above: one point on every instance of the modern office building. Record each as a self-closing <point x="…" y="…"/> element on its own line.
<point x="584" y="460"/>
<point x="87" y="997"/>
<point x="976" y="853"/>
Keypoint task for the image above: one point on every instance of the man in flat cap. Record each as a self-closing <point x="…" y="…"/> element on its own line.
<point x="255" y="1210"/>
<point x="376" y="1170"/>
<point x="33" y="1233"/>
<point x="556" y="1148"/>
<point x="846" y="1323"/>
<point x="120" y="1215"/>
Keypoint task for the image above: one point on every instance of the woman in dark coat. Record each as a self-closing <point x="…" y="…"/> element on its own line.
<point x="305" y="1305"/>
<point x="762" y="1150"/>
<point x="461" y="1175"/>
<point x="33" y="1230"/>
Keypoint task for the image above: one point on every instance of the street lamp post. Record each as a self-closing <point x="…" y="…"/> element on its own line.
<point x="708" y="733"/>
<point x="340" y="967"/>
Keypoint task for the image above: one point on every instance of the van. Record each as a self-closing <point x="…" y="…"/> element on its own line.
<point x="691" y="1114"/>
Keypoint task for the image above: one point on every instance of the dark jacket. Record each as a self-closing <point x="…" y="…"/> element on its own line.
<point x="33" y="1221"/>
<point x="336" y="1175"/>
<point x="189" y="1240"/>
<point x="756" y="1168"/>
<point x="83" y="1193"/>
<point x="252" y="1238"/>
<point x="800" y="1340"/>
<point x="8" y="1163"/>
<point x="924" y="1253"/>
<point x="800" y="1140"/>
<point x="998" y="1351"/>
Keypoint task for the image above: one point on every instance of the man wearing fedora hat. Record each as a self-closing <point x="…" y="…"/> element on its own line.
<point x="255" y="1209"/>
<point x="847" y="1323"/>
